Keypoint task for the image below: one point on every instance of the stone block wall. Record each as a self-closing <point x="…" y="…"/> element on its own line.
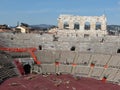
<point x="97" y="66"/>
<point x="66" y="41"/>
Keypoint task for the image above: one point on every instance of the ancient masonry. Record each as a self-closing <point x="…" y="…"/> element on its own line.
<point x="79" y="48"/>
<point x="90" y="24"/>
<point x="74" y="36"/>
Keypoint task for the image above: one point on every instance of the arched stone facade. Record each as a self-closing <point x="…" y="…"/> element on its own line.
<point x="95" y="22"/>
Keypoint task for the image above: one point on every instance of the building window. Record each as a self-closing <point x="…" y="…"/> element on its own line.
<point x="98" y="26"/>
<point x="76" y="26"/>
<point x="66" y="25"/>
<point x="86" y="35"/>
<point x="87" y="26"/>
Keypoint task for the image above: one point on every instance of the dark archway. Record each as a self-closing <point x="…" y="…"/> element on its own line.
<point x="27" y="68"/>
<point x="76" y="26"/>
<point x="66" y="25"/>
<point x="98" y="26"/>
<point x="118" y="51"/>
<point x="40" y="47"/>
<point x="87" y="26"/>
<point x="72" y="48"/>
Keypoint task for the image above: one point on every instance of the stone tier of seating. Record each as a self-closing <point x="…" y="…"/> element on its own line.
<point x="98" y="66"/>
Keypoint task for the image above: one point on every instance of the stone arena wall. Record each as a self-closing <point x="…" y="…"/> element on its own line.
<point x="96" y="66"/>
<point x="67" y="41"/>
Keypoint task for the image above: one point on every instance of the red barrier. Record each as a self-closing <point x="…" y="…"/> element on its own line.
<point x="30" y="50"/>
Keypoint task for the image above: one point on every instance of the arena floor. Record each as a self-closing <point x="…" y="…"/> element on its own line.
<point x="54" y="82"/>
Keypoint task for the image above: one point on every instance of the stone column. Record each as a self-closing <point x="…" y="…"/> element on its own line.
<point x="104" y="23"/>
<point x="71" y="25"/>
<point x="60" y="24"/>
<point x="79" y="26"/>
<point x="103" y="26"/>
<point x="82" y="25"/>
<point x="92" y="26"/>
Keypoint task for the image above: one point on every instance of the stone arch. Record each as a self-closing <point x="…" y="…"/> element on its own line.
<point x="66" y="25"/>
<point x="87" y="26"/>
<point x="98" y="26"/>
<point x="76" y="26"/>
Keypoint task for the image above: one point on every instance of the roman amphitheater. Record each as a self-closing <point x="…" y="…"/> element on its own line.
<point x="80" y="46"/>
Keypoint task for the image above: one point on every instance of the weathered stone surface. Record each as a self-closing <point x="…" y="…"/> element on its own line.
<point x="82" y="21"/>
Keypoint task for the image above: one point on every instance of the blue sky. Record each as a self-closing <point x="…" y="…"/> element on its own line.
<point x="47" y="11"/>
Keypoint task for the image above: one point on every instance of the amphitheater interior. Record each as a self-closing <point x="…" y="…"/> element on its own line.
<point x="97" y="66"/>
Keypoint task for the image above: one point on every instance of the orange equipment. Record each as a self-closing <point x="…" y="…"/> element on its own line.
<point x="30" y="50"/>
